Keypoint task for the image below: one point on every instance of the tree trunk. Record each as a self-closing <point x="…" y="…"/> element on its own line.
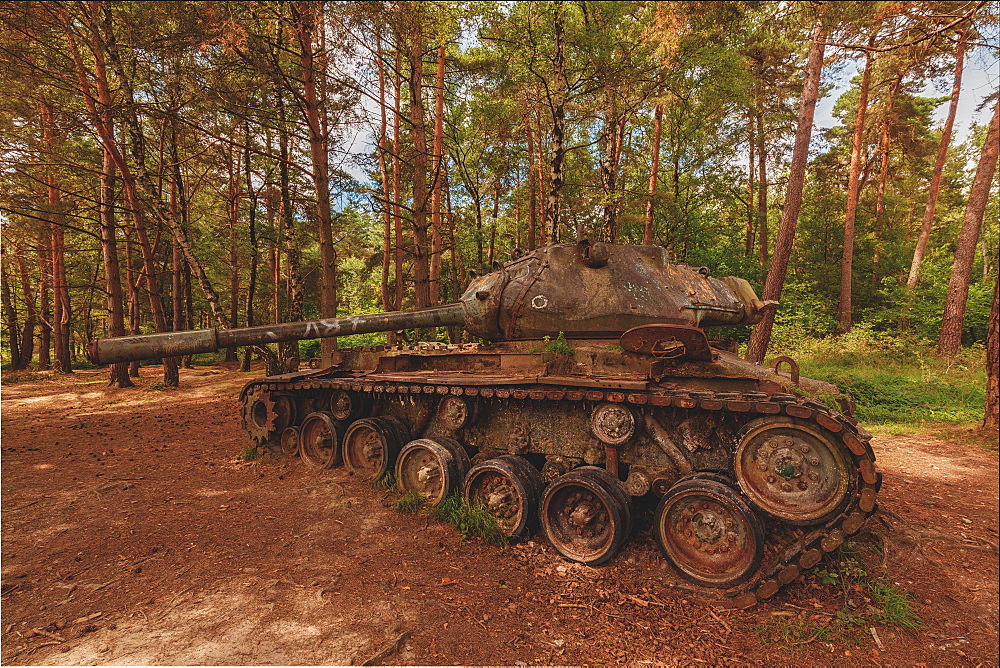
<point x="541" y="180"/>
<point x="965" y="254"/>
<point x="27" y="338"/>
<point x="180" y="278"/>
<point x="289" y="352"/>
<point x="60" y="290"/>
<point x="233" y="214"/>
<point x="437" y="170"/>
<point x="614" y="131"/>
<point x="935" y="186"/>
<point x="313" y="83"/>
<point x="271" y="360"/>
<point x="421" y="250"/>
<point x="654" y="171"/>
<point x="10" y="316"/>
<point x="762" y="231"/>
<point x="751" y="226"/>
<point x="991" y="416"/>
<point x="558" y="105"/>
<point x="383" y="164"/>
<point x="118" y="373"/>
<point x="845" y="309"/>
<point x="150" y="274"/>
<point x="883" y="180"/>
<point x="132" y="278"/>
<point x="532" y="182"/>
<point x="761" y="336"/>
<point x="397" y="185"/>
<point x="44" y="309"/>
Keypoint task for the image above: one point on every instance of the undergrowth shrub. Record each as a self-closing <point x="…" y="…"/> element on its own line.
<point x="894" y="379"/>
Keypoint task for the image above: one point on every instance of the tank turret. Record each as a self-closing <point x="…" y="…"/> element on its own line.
<point x="583" y="290"/>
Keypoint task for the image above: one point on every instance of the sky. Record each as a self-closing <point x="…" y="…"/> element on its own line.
<point x="980" y="78"/>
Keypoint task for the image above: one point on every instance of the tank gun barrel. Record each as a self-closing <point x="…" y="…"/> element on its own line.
<point x="174" y="344"/>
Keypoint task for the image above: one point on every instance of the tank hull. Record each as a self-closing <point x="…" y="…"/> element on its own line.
<point x="656" y="426"/>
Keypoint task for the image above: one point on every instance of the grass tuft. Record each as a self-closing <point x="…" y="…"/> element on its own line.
<point x="161" y="386"/>
<point x="470" y="520"/>
<point x="893" y="604"/>
<point x="867" y="600"/>
<point x="250" y="453"/>
<point x="387" y="481"/>
<point x="410" y="502"/>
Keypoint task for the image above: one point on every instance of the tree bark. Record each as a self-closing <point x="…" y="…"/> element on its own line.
<point x="762" y="231"/>
<point x="27" y="338"/>
<point x="309" y="19"/>
<point x="421" y="250"/>
<point x="180" y="278"/>
<point x="118" y="373"/>
<point x="132" y="278"/>
<point x="761" y="336"/>
<point x="845" y="309"/>
<point x="991" y="415"/>
<point x="397" y="184"/>
<point x="654" y="171"/>
<point x="751" y="226"/>
<point x="44" y="310"/>
<point x="950" y="339"/>
<point x="935" y="186"/>
<point x="233" y="214"/>
<point x="288" y="353"/>
<point x="614" y="135"/>
<point x="10" y="315"/>
<point x="60" y="290"/>
<point x="383" y="164"/>
<point x="270" y="359"/>
<point x="558" y="106"/>
<point x="532" y="182"/>
<point x="437" y="171"/>
<point x="883" y="179"/>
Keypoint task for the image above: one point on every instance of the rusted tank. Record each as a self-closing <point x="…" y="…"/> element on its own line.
<point x="596" y="391"/>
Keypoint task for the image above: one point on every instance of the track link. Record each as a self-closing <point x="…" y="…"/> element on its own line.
<point x="794" y="560"/>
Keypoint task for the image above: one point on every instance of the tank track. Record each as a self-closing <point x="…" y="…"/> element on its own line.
<point x="806" y="545"/>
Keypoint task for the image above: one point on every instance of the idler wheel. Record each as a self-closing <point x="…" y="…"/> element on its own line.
<point x="433" y="468"/>
<point x="793" y="470"/>
<point x="510" y="488"/>
<point x="320" y="438"/>
<point x="586" y="515"/>
<point x="709" y="533"/>
<point x="372" y="444"/>
<point x="290" y="441"/>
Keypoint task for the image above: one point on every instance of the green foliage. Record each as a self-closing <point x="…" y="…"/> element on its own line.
<point x="867" y="600"/>
<point x="160" y="386"/>
<point x="250" y="453"/>
<point x="410" y="502"/>
<point x="387" y="481"/>
<point x="557" y="346"/>
<point x="470" y="520"/>
<point x="893" y="379"/>
<point x="893" y="605"/>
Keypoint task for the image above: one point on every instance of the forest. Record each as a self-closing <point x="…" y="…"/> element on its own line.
<point x="178" y="165"/>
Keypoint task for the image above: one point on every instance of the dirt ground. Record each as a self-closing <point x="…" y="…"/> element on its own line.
<point x="134" y="533"/>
